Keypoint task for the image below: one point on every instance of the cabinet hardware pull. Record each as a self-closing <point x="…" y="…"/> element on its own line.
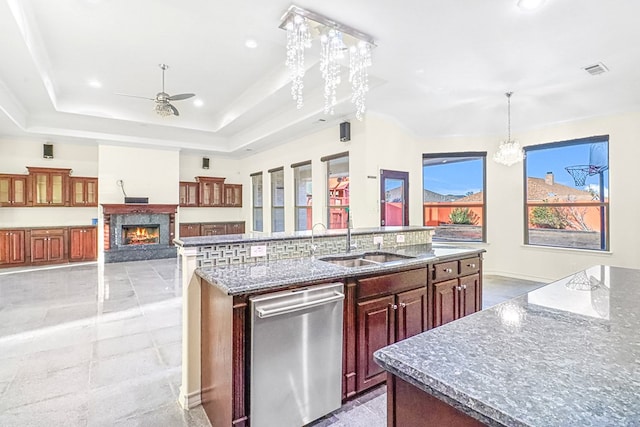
<point x="448" y="270"/>
<point x="464" y="286"/>
<point x="393" y="306"/>
<point x="471" y="265"/>
<point x="459" y="288"/>
<point x="403" y="305"/>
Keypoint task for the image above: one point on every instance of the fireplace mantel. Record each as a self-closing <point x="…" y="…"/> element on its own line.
<point x="118" y="215"/>
<point x="109" y="209"/>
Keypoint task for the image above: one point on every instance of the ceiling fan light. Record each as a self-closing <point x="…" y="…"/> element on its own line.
<point x="163" y="110"/>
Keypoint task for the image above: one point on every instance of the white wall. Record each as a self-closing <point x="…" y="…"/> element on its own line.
<point x="145" y="172"/>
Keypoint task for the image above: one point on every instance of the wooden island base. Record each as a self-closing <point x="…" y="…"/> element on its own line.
<point x="407" y="405"/>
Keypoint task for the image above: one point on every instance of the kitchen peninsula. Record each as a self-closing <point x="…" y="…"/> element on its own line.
<point x="396" y="284"/>
<point x="567" y="354"/>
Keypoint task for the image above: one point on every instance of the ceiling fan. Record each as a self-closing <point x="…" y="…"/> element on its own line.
<point x="163" y="105"/>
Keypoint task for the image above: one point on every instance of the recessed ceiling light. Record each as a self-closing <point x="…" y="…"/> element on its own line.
<point x="95" y="83"/>
<point x="530" y="4"/>
<point x="251" y="43"/>
<point x="198" y="103"/>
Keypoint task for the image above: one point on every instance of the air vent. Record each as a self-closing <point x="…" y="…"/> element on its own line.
<point x="596" y="69"/>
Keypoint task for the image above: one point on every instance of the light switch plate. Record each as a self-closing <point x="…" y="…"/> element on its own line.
<point x="400" y="238"/>
<point x="378" y="240"/>
<point x="260" y="250"/>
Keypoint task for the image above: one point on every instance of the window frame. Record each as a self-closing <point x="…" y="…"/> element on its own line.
<point x="276" y="207"/>
<point x="604" y="240"/>
<point x="330" y="207"/>
<point x="255" y="207"/>
<point x="297" y="168"/>
<point x="482" y="155"/>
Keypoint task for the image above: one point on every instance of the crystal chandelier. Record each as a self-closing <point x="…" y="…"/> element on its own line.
<point x="509" y="152"/>
<point x="163" y="109"/>
<point x="335" y="39"/>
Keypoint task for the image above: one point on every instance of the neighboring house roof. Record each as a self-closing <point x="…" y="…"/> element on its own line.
<point x="538" y="189"/>
<point x="432" y="196"/>
<point x="472" y="198"/>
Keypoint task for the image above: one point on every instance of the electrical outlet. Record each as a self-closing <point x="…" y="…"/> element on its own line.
<point x="400" y="238"/>
<point x="378" y="240"/>
<point x="260" y="250"/>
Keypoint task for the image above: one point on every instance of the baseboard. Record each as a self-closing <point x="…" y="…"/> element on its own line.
<point x="190" y="400"/>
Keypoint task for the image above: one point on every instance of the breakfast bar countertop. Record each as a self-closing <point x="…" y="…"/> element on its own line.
<point x="238" y="279"/>
<point x="566" y="354"/>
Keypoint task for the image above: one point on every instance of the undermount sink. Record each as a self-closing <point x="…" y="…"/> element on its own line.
<point x="367" y="258"/>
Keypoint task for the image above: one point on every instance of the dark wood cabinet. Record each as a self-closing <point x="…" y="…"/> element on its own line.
<point x="235" y="227"/>
<point x="188" y="194"/>
<point x="84" y="191"/>
<point x="189" y="230"/>
<point x="49" y="186"/>
<point x="458" y="296"/>
<point x="211" y="191"/>
<point x="83" y="244"/>
<point x="13" y="190"/>
<point x="48" y="246"/>
<point x="390" y="307"/>
<point x="233" y="195"/>
<point x="12" y="247"/>
<point x="213" y="229"/>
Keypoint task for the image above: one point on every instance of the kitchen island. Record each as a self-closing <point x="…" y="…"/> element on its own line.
<point x="567" y="354"/>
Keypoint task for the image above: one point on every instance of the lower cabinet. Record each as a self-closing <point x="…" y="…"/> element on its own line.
<point x="189" y="230"/>
<point x="213" y="229"/>
<point x="390" y="308"/>
<point x="456" y="298"/>
<point x="83" y="244"/>
<point x="48" y="246"/>
<point x="12" y="249"/>
<point x="195" y="229"/>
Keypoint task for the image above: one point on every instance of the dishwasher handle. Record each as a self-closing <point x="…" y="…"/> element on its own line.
<point x="263" y="314"/>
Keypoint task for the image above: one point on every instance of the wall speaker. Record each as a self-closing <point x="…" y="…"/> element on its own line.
<point x="205" y="163"/>
<point x="345" y="131"/>
<point x="47" y="151"/>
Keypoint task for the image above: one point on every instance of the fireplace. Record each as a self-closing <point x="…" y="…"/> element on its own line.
<point x="134" y="232"/>
<point x="140" y="234"/>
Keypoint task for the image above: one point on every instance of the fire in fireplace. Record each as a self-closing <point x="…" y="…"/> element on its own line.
<point x="141" y="234"/>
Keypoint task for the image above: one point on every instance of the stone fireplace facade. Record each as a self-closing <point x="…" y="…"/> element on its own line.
<point x="119" y="217"/>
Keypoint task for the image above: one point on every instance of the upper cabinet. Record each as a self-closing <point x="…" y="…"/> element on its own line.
<point x="13" y="190"/>
<point x="84" y="191"/>
<point x="211" y="191"/>
<point x="233" y="195"/>
<point x="49" y="186"/>
<point x="188" y="194"/>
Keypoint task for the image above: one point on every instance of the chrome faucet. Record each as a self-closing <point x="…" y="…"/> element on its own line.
<point x="313" y="245"/>
<point x="349" y="225"/>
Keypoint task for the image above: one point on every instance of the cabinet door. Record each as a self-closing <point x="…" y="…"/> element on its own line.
<point x="412" y="313"/>
<point x="469" y="295"/>
<point x="39" y="249"/>
<point x="445" y="302"/>
<point x="55" y="248"/>
<point x="376" y="329"/>
<point x="214" y="229"/>
<point x="188" y="194"/>
<point x="91" y="187"/>
<point x="84" y="191"/>
<point x="12" y="247"/>
<point x="41" y="185"/>
<point x="235" y="228"/>
<point x="13" y="190"/>
<point x="76" y="244"/>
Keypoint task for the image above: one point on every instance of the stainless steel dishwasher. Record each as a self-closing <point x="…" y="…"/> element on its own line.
<point x="296" y="355"/>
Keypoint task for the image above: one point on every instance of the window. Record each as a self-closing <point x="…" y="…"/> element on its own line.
<point x="453" y="195"/>
<point x="337" y="189"/>
<point x="567" y="194"/>
<point x="256" y="191"/>
<point x="302" y="195"/>
<point x="277" y="199"/>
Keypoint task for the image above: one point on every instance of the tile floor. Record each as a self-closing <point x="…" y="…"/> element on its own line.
<point x="99" y="345"/>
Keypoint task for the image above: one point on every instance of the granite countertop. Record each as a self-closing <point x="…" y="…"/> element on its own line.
<point x="238" y="279"/>
<point x="261" y="237"/>
<point x="567" y="354"/>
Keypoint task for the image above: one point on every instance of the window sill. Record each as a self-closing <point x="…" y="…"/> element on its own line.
<point x="565" y="250"/>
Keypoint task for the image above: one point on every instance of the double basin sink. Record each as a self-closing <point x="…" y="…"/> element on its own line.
<point x="364" y="259"/>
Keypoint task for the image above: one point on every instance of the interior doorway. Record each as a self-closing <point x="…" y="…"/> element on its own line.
<point x="394" y="197"/>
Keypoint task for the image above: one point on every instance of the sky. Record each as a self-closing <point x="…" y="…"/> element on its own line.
<point x="464" y="177"/>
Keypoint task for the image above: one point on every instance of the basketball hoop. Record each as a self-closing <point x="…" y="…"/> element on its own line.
<point x="579" y="173"/>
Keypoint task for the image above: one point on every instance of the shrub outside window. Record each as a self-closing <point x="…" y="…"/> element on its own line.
<point x="454" y="195"/>
<point x="567" y="194"/>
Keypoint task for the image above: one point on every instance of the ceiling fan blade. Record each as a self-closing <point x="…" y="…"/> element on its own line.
<point x="135" y="96"/>
<point x="174" y="109"/>
<point x="181" y="96"/>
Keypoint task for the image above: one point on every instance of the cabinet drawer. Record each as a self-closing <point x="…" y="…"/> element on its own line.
<point x="49" y="232"/>
<point x="392" y="283"/>
<point x="469" y="266"/>
<point x="445" y="271"/>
